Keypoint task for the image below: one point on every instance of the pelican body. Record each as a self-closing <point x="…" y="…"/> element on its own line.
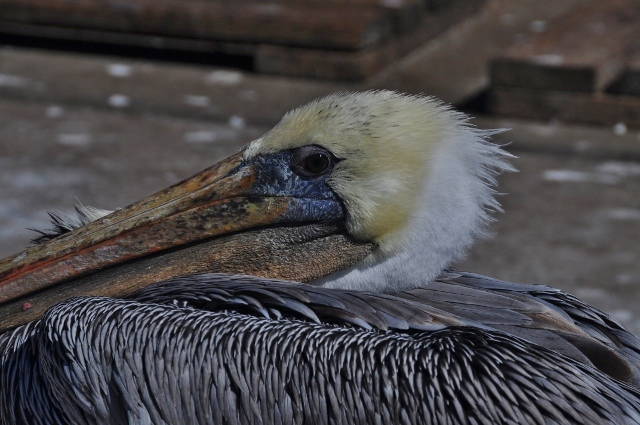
<point x="306" y="280"/>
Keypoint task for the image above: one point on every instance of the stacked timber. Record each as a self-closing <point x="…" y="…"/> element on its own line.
<point x="328" y="39"/>
<point x="584" y="67"/>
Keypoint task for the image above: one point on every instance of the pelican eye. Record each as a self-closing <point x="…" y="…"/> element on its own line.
<point x="311" y="161"/>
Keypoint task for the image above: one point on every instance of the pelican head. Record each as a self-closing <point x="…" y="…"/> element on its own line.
<point x="376" y="190"/>
<point x="415" y="179"/>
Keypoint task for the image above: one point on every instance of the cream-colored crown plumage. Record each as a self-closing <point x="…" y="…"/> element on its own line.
<point x="409" y="164"/>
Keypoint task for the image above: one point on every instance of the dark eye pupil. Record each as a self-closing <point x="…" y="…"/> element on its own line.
<point x="311" y="162"/>
<point x="316" y="163"/>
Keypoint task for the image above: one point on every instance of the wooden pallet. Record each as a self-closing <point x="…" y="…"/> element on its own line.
<point x="585" y="67"/>
<point x="328" y="39"/>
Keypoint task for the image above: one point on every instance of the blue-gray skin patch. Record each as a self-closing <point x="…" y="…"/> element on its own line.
<point x="312" y="200"/>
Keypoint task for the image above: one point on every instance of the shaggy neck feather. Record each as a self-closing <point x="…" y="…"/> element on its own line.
<point x="454" y="209"/>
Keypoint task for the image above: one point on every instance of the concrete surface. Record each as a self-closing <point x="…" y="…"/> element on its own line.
<point x="108" y="131"/>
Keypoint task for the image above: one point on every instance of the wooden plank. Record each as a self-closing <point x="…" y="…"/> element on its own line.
<point x="389" y="4"/>
<point x="583" y="51"/>
<point x="316" y="63"/>
<point x="597" y="108"/>
<point x="333" y="26"/>
<point x="405" y="13"/>
<point x="356" y="66"/>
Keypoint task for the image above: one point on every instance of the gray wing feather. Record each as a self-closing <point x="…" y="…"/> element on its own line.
<point x="241" y="350"/>
<point x="548" y="317"/>
<point x="126" y="361"/>
<point x="539" y="314"/>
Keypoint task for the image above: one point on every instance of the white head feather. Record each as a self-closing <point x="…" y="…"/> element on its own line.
<point x="414" y="176"/>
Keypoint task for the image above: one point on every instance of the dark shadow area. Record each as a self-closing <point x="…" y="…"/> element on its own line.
<point x="161" y="52"/>
<point x="477" y="103"/>
<point x="627" y="84"/>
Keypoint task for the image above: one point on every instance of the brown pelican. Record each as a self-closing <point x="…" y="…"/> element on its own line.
<point x="182" y="308"/>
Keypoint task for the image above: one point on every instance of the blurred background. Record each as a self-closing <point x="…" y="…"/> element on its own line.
<point x="103" y="102"/>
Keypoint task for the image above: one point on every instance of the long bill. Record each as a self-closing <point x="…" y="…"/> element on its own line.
<point x="215" y="221"/>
